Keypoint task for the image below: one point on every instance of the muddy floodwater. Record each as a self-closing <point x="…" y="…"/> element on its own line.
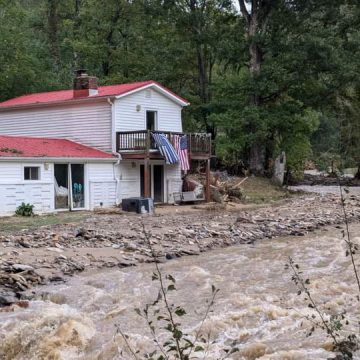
<point x="257" y="306"/>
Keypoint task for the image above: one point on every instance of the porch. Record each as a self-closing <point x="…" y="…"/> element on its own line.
<point x="140" y="145"/>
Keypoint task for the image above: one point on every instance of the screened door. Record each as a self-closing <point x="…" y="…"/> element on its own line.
<point x="77" y="186"/>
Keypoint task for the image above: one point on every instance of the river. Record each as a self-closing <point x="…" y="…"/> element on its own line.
<point x="257" y="306"/>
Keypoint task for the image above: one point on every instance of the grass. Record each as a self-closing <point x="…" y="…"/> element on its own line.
<point x="16" y="223"/>
<point x="261" y="190"/>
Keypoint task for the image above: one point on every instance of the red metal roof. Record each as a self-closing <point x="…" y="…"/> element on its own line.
<point x="21" y="146"/>
<point x="66" y="95"/>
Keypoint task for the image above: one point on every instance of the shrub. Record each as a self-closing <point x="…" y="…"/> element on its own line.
<point x="25" y="210"/>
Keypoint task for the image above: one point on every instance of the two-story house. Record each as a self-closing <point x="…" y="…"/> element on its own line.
<point x="92" y="146"/>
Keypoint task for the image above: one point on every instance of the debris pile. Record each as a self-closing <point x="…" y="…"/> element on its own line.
<point x="225" y="188"/>
<point x="324" y="180"/>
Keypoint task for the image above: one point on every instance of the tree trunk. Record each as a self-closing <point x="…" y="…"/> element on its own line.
<point x="53" y="32"/>
<point x="257" y="149"/>
<point x="357" y="175"/>
<point x="255" y="25"/>
<point x="76" y="34"/>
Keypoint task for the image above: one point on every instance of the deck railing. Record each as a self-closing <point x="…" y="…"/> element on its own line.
<point x="199" y="144"/>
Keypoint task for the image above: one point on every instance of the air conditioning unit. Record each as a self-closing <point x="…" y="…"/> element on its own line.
<point x="139" y="205"/>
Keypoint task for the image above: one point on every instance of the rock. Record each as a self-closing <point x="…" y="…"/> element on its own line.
<point x="80" y="232"/>
<point x="7" y="298"/>
<point x="56" y="278"/>
<point x="24" y="244"/>
<point x="22" y="267"/>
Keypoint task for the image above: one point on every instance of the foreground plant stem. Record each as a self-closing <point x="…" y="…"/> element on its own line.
<point x="348" y="238"/>
<point x="299" y="280"/>
<point x="163" y="291"/>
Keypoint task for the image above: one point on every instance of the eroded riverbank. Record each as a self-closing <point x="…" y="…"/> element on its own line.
<point x="53" y="253"/>
<point x="258" y="306"/>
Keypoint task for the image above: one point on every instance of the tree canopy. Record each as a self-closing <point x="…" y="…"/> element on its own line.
<point x="263" y="76"/>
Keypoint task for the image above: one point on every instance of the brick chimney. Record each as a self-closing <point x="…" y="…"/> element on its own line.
<point x="85" y="85"/>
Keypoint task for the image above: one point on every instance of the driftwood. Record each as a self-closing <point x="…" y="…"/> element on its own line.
<point x="224" y="191"/>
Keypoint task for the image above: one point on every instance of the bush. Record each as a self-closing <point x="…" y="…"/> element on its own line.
<point x="25" y="210"/>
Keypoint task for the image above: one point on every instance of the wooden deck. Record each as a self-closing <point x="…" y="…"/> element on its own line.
<point x="140" y="144"/>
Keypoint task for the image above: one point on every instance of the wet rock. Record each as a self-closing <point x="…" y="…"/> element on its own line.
<point x="22" y="267"/>
<point x="24" y="244"/>
<point x="7" y="298"/>
<point x="80" y="232"/>
<point x="56" y="278"/>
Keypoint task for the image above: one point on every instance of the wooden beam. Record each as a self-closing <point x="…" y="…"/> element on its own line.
<point x="147" y="179"/>
<point x="140" y="156"/>
<point x="207" y="189"/>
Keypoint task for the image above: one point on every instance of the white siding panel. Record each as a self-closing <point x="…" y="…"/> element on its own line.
<point x="127" y="118"/>
<point x="102" y="172"/>
<point x="173" y="181"/>
<point x="102" y="185"/>
<point x="88" y="124"/>
<point x="102" y="193"/>
<point x="10" y="172"/>
<point x="14" y="189"/>
<point x="129" y="179"/>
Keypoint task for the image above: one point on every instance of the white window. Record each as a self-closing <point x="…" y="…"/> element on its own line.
<point x="31" y="173"/>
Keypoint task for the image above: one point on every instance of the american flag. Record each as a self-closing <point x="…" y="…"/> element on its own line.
<point x="181" y="147"/>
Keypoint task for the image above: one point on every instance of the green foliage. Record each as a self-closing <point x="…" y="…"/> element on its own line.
<point x="25" y="210"/>
<point x="303" y="99"/>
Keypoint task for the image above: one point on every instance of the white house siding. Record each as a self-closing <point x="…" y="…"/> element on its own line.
<point x="173" y="182"/>
<point x="129" y="176"/>
<point x="102" y="185"/>
<point x="87" y="123"/>
<point x="14" y="189"/>
<point x="127" y="118"/>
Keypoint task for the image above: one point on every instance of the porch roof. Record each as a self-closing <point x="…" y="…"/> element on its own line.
<point x="31" y="147"/>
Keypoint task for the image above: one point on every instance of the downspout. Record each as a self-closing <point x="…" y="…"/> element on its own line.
<point x="118" y="183"/>
<point x="113" y="150"/>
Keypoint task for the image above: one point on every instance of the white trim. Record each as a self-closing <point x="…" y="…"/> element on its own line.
<point x="61" y="159"/>
<point x="160" y="89"/>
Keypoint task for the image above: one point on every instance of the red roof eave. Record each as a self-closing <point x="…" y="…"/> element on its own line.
<point x="23" y="147"/>
<point x="66" y="96"/>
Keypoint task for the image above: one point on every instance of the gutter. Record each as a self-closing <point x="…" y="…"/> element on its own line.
<point x="118" y="183"/>
<point x="113" y="148"/>
<point x="56" y="103"/>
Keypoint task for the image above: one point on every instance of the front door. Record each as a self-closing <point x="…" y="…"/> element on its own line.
<point x="158" y="181"/>
<point x="156" y="176"/>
